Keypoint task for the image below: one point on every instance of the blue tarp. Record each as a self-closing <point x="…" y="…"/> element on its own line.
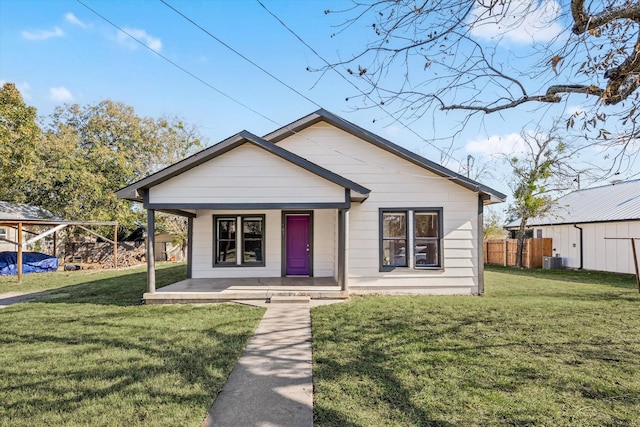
<point x="32" y="262"/>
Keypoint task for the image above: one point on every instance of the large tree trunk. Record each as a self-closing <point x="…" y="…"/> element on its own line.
<point x="520" y="247"/>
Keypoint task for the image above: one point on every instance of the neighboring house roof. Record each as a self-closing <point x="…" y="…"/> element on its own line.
<point x="269" y="142"/>
<point x="131" y="192"/>
<point x="11" y="211"/>
<point x="613" y="202"/>
<point x="328" y="117"/>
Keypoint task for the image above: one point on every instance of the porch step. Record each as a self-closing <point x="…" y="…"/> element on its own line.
<point x="284" y="299"/>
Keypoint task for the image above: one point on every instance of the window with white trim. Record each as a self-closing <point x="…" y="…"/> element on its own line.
<point x="410" y="238"/>
<point x="3" y="232"/>
<point x="238" y="240"/>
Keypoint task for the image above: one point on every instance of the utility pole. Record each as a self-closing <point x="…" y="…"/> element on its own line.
<point x="470" y="160"/>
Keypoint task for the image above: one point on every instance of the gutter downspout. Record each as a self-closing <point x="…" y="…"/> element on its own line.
<point x="581" y="253"/>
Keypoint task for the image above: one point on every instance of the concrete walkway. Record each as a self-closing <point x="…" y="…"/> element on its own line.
<point x="271" y="385"/>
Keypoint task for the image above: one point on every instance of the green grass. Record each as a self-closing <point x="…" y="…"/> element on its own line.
<point x="88" y="354"/>
<point x="540" y="348"/>
<point x="35" y="282"/>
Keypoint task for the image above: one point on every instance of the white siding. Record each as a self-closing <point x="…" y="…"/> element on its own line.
<point x="324" y="244"/>
<point x="247" y="174"/>
<point x="203" y="247"/>
<point x="598" y="253"/>
<point x="395" y="183"/>
<point x="12" y="234"/>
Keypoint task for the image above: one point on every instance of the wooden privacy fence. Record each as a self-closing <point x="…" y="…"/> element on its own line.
<point x="503" y="252"/>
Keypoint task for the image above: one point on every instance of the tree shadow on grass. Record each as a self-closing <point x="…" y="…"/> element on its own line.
<point x="391" y="393"/>
<point x="478" y="350"/>
<point x="148" y="359"/>
<point x="120" y="290"/>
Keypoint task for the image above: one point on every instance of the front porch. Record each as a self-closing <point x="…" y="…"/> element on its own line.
<point x="222" y="290"/>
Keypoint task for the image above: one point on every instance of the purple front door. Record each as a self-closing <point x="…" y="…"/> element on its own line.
<point x="297" y="245"/>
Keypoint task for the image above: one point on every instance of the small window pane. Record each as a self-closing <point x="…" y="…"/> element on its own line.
<point x="426" y="224"/>
<point x="252" y="228"/>
<point x="426" y="252"/>
<point x="226" y="245"/>
<point x="227" y="229"/>
<point x="253" y="251"/>
<point x="394" y="253"/>
<point x="394" y="225"/>
<point x="226" y="251"/>
<point x="252" y="236"/>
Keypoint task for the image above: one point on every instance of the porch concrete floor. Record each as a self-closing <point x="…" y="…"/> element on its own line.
<point x="220" y="290"/>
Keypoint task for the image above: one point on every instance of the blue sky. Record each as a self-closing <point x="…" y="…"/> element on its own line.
<point x="59" y="51"/>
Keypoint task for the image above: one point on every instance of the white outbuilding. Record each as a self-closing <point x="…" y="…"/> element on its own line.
<point x="593" y="228"/>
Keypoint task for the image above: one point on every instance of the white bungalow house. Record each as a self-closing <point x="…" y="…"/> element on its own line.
<point x="592" y="228"/>
<point x="324" y="200"/>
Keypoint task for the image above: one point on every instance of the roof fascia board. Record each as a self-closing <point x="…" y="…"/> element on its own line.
<point x="249" y="206"/>
<point x="579" y="222"/>
<point x="340" y="123"/>
<point x="179" y="212"/>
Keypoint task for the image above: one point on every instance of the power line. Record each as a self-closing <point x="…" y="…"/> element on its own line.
<point x="239" y="54"/>
<point x="189" y="73"/>
<point x="277" y="18"/>
<point x="184" y="70"/>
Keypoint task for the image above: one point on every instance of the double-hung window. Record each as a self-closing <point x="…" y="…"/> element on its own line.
<point x="410" y="238"/>
<point x="238" y="240"/>
<point x="3" y="232"/>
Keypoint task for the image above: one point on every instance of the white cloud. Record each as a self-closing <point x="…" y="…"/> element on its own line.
<point x="42" y="34"/>
<point x="60" y="94"/>
<point x="393" y="131"/>
<point x="72" y="19"/>
<point x="25" y="90"/>
<point x="153" y="43"/>
<point x="518" y="21"/>
<point x="496" y="146"/>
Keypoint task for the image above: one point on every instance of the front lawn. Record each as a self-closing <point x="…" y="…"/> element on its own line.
<point x="88" y="354"/>
<point x="35" y="282"/>
<point x="540" y="348"/>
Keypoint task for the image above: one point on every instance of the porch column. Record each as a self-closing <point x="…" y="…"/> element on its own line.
<point x="19" y="252"/>
<point x="343" y="249"/>
<point x="189" y="247"/>
<point x="151" y="259"/>
<point x="479" y="242"/>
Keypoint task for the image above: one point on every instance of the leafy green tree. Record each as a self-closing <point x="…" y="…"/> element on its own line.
<point x="92" y="151"/>
<point x="20" y="138"/>
<point x="494" y="222"/>
<point x="74" y="166"/>
<point x="539" y="175"/>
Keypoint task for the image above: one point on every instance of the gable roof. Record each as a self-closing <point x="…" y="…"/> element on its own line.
<point x="131" y="192"/>
<point x="492" y="195"/>
<point x="613" y="202"/>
